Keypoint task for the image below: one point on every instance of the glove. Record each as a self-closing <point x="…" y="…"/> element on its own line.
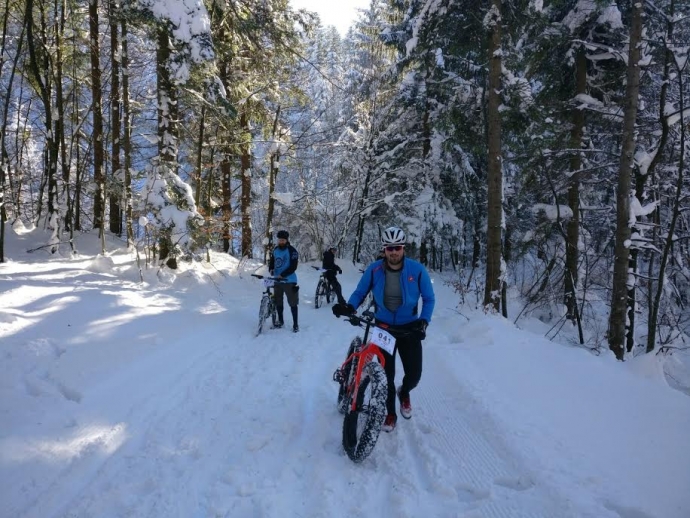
<point x="343" y="310"/>
<point x="340" y="271"/>
<point x="419" y="328"/>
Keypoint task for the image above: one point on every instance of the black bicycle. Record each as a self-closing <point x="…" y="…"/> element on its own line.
<point x="268" y="302"/>
<point x="363" y="387"/>
<point x="324" y="290"/>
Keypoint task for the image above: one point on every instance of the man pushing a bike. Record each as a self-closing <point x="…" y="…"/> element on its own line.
<point x="282" y="265"/>
<point x="397" y="283"/>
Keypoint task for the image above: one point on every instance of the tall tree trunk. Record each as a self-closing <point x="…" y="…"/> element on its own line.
<point x="199" y="158"/>
<point x="60" y="122"/>
<point x="359" y="236"/>
<point x="272" y="174"/>
<point x="641" y="195"/>
<point x="97" y="112"/>
<point x="167" y="128"/>
<point x="494" y="275"/>
<point x="127" y="136"/>
<point x="226" y="187"/>
<point x="75" y="141"/>
<point x="675" y="213"/>
<point x="227" y="152"/>
<point x="617" y="318"/>
<point x="246" y="182"/>
<point x="44" y="86"/>
<point x="4" y="156"/>
<point x="115" y="125"/>
<point x="4" y="159"/>
<point x="573" y="225"/>
<point x="652" y="298"/>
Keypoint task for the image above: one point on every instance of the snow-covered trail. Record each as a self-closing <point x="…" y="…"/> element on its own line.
<point x="160" y="401"/>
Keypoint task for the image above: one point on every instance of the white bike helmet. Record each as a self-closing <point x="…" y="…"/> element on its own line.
<point x="393" y="236"/>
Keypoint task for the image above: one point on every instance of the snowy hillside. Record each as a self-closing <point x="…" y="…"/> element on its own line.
<point x="155" y="399"/>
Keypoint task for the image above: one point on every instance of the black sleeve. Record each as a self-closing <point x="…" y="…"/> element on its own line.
<point x="294" y="259"/>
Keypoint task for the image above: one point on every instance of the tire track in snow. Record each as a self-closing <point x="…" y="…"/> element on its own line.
<point x="164" y="382"/>
<point x="453" y="439"/>
<point x="239" y="426"/>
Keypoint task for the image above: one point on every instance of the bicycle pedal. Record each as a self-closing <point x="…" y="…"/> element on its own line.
<point x="338" y="376"/>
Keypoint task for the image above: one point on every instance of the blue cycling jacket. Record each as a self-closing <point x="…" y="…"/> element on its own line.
<point x="284" y="262"/>
<point x="415" y="283"/>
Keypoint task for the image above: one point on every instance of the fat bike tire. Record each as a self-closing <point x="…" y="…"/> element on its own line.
<point x="274" y="313"/>
<point x="263" y="314"/>
<point x="347" y="375"/>
<point x="318" y="295"/>
<point x="362" y="426"/>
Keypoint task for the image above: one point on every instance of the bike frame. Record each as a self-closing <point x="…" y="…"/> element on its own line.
<point x="270" y="294"/>
<point x="269" y="289"/>
<point x="329" y="288"/>
<point x="364" y="356"/>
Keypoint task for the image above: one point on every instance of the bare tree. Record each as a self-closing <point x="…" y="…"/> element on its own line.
<point x="573" y="225"/>
<point x="4" y="157"/>
<point x="127" y="135"/>
<point x="272" y="174"/>
<point x="617" y="317"/>
<point x="492" y="290"/>
<point x="97" y="114"/>
<point x="246" y="182"/>
<point x="167" y="125"/>
<point x="115" y="125"/>
<point x="42" y="70"/>
<point x="675" y="211"/>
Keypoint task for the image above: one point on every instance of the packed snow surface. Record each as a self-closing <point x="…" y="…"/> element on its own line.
<point x="155" y="399"/>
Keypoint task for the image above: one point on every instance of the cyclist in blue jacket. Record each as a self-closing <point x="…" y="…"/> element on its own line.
<point x="282" y="264"/>
<point x="397" y="283"/>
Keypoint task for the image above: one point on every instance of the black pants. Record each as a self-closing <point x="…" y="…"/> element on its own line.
<point x="335" y="285"/>
<point x="410" y="350"/>
<point x="291" y="291"/>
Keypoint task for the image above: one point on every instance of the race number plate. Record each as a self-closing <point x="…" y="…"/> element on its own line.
<point x="383" y="339"/>
<point x="268" y="283"/>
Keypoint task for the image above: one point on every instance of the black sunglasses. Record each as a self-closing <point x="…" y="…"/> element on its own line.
<point x="395" y="248"/>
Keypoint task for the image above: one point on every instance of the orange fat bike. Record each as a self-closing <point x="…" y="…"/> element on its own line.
<point x="363" y="387"/>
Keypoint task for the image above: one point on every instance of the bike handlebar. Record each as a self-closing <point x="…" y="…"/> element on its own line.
<point x="277" y="279"/>
<point x="367" y="319"/>
<point x="324" y="270"/>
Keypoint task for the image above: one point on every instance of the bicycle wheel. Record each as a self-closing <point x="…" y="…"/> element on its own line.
<point x="318" y="294"/>
<point x="361" y="428"/>
<point x="348" y="372"/>
<point x="273" y="311"/>
<point x="263" y="313"/>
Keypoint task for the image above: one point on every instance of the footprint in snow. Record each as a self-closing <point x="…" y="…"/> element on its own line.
<point x="522" y="483"/>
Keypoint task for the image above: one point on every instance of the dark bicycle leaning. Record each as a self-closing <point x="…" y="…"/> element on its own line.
<point x="324" y="290"/>
<point x="268" y="302"/>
